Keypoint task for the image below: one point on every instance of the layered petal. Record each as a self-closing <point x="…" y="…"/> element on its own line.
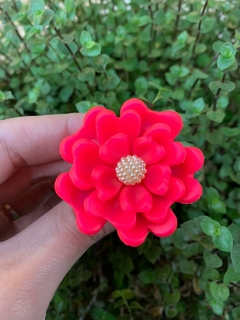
<point x="166" y="228"/>
<point x="159" y="210"/>
<point x="75" y="198"/>
<point x="86" y="158"/>
<point x="135" y="236"/>
<point x="175" y="154"/>
<point x="87" y="131"/>
<point x="193" y="190"/>
<point x="193" y="162"/>
<point x="106" y="183"/>
<point x="157" y="178"/>
<point x="160" y="133"/>
<point x="135" y="199"/>
<point x="109" y="210"/>
<point x="148" y="150"/>
<point x="150" y="117"/>
<point x="108" y="124"/>
<point x="115" y="148"/>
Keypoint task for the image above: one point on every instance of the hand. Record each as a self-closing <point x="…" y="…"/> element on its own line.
<point x="38" y="248"/>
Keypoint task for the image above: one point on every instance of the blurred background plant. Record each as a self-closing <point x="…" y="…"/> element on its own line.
<point x="67" y="56"/>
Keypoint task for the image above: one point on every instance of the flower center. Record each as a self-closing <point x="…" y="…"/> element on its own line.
<point x="130" y="170"/>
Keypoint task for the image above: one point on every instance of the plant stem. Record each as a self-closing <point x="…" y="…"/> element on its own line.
<point x="204" y="70"/>
<point x="199" y="27"/>
<point x="218" y="92"/>
<point x="177" y="19"/>
<point x="16" y="30"/>
<point x="235" y="285"/>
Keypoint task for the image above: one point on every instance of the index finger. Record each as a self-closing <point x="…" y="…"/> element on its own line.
<point x="33" y="140"/>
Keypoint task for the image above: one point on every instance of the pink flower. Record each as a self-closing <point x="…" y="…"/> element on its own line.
<point x="129" y="171"/>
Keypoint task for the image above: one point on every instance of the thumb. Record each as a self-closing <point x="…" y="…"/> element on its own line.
<point x="38" y="258"/>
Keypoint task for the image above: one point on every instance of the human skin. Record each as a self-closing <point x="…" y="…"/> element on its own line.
<point x="38" y="248"/>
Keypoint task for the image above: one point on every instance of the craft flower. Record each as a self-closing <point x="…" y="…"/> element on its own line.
<point x="128" y="170"/>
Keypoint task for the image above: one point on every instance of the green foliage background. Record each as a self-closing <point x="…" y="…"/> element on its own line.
<point x="67" y="56"/>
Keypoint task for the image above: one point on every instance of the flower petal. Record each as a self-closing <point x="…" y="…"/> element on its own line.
<point x="175" y="191"/>
<point x="149" y="117"/>
<point x="157" y="178"/>
<point x="109" y="210"/>
<point x="114" y="149"/>
<point x="175" y="154"/>
<point x="135" y="199"/>
<point x="193" y="190"/>
<point x="106" y="183"/>
<point x="162" y="204"/>
<point x="148" y="150"/>
<point x="135" y="236"/>
<point x="108" y="124"/>
<point x="86" y="158"/>
<point x="160" y="133"/>
<point x="166" y="228"/>
<point x="88" y="224"/>
<point x="159" y="210"/>
<point x="88" y="131"/>
<point x="193" y="162"/>
<point x="75" y="198"/>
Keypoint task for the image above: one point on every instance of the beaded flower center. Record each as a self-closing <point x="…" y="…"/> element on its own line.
<point x="131" y="170"/>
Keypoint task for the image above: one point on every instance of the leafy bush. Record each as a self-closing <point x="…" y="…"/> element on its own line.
<point x="60" y="57"/>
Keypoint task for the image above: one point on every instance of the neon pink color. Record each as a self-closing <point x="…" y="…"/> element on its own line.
<point x="93" y="190"/>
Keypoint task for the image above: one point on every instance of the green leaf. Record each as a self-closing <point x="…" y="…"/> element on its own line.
<point x="100" y="314"/>
<point x="67" y="38"/>
<point x="102" y="60"/>
<point x="211" y="260"/>
<point x="163" y="273"/>
<point x="87" y="74"/>
<point x="144" y="20"/>
<point x="85" y="37"/>
<point x="227" y="50"/>
<point x="231" y="276"/>
<point x="210" y="227"/>
<point x="141" y="85"/>
<point x="224" y="241"/>
<point x="198" y="105"/>
<point x="66" y="92"/>
<point x="222" y="102"/>
<point x="18" y="16"/>
<point x="192" y="229"/>
<point x="83" y="106"/>
<point x="179" y="239"/>
<point x="2" y="96"/>
<point x="152" y="253"/>
<point x="207" y="24"/>
<point x="135" y="305"/>
<point x="219" y="292"/>
<point x="147" y="276"/>
<point x="194" y="16"/>
<point x="182" y="37"/>
<point x="47" y="17"/>
<point x="172" y="298"/>
<point x="226" y="86"/>
<point x="210" y="274"/>
<point x="235" y="254"/>
<point x="217" y="308"/>
<point x="229" y="132"/>
<point x="224" y="63"/>
<point x="94" y="51"/>
<point x="214" y="137"/>
<point x="126" y="294"/>
<point x="187" y="267"/>
<point x="170" y="312"/>
<point x="35" y="29"/>
<point x="216" y="116"/>
<point x="36" y="5"/>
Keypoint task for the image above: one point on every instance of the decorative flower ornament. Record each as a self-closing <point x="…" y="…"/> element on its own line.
<point x="128" y="170"/>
